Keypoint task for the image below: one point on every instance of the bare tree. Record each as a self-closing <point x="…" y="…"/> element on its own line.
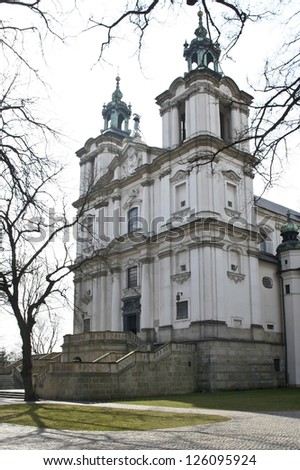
<point x="45" y="334"/>
<point x="31" y="271"/>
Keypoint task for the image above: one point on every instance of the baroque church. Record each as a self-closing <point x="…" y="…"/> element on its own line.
<point x="185" y="280"/>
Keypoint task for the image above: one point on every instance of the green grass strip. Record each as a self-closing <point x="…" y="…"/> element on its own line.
<point x="280" y="399"/>
<point x="93" y="418"/>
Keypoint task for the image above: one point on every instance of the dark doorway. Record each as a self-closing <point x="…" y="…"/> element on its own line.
<point x="131" y="314"/>
<point x="131" y="323"/>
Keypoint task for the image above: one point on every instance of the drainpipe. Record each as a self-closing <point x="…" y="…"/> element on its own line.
<point x="284" y="331"/>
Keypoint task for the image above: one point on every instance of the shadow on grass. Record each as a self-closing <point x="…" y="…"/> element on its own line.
<point x="92" y="418"/>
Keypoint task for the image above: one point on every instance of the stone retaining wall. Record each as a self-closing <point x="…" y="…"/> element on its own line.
<point x="173" y="369"/>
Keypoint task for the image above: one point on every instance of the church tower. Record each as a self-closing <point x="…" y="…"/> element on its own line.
<point x="117" y="113"/>
<point x="289" y="257"/>
<point x="203" y="102"/>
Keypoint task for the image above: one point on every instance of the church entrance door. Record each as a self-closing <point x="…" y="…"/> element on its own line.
<point x="131" y="314"/>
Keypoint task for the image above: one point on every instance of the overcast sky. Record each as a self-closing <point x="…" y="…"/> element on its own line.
<point x="81" y="84"/>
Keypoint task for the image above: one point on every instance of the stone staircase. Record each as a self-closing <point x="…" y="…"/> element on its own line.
<point x="7" y="382"/>
<point x="12" y="394"/>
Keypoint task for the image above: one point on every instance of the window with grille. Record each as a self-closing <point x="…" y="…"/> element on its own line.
<point x="86" y="325"/>
<point x="182" y="310"/>
<point x="132" y="277"/>
<point x="267" y="282"/>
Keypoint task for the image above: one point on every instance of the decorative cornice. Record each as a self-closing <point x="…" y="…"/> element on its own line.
<point x="116" y="197"/>
<point x="101" y="204"/>
<point x="147" y="182"/>
<point x="165" y="254"/>
<point x="147" y="260"/>
<point x="115" y="269"/>
<point x="164" y="173"/>
<point x="248" y="171"/>
<point x="232" y="176"/>
<point x="179" y="214"/>
<point x="236" y="277"/>
<point x="232" y="213"/>
<point x="132" y="292"/>
<point x="180" y="175"/>
<point x="181" y="278"/>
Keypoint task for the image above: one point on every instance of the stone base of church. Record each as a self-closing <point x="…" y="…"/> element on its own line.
<point x="111" y="365"/>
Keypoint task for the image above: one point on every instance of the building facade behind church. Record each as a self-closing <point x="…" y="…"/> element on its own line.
<point x="185" y="280"/>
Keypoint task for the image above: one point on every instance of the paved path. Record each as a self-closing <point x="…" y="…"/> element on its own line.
<point x="247" y="431"/>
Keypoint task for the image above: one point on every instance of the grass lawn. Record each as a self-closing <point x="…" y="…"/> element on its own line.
<point x="93" y="418"/>
<point x="279" y="399"/>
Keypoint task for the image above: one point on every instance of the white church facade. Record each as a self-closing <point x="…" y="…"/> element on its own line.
<point x="186" y="281"/>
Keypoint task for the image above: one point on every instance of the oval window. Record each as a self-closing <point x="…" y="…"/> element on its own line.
<point x="267" y="282"/>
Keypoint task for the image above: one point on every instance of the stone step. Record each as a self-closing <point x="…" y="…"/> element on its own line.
<point x="15" y="394"/>
<point x="6" y="382"/>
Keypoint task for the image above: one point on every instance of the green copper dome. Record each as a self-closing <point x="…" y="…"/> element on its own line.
<point x="202" y="52"/>
<point x="117" y="113"/>
<point x="289" y="233"/>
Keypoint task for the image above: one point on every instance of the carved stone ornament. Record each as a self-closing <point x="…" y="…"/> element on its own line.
<point x="87" y="297"/>
<point x="181" y="278"/>
<point x="236" y="277"/>
<point x="131" y="292"/>
<point x="132" y="162"/>
<point x="132" y="197"/>
<point x="232" y="213"/>
<point x="180" y="175"/>
<point x="164" y="173"/>
<point x="116" y="197"/>
<point x="147" y="182"/>
<point x="232" y="176"/>
<point x="248" y="171"/>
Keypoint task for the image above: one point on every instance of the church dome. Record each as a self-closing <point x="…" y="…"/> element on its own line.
<point x="289" y="232"/>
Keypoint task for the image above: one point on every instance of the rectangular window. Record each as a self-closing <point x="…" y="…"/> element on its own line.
<point x="86" y="325"/>
<point x="133" y="224"/>
<point x="132" y="277"/>
<point x="182" y="311"/>
<point x="182" y="129"/>
<point x="180" y="196"/>
<point x="277" y="365"/>
<point x="225" y="123"/>
<point x="231" y="196"/>
<point x="287" y="289"/>
<point x="88" y="229"/>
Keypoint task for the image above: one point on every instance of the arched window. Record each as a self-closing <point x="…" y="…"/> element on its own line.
<point x="133" y="216"/>
<point x="120" y="121"/>
<point x="225" y="122"/>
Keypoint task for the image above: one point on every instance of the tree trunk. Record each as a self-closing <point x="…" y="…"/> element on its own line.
<point x="30" y="394"/>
